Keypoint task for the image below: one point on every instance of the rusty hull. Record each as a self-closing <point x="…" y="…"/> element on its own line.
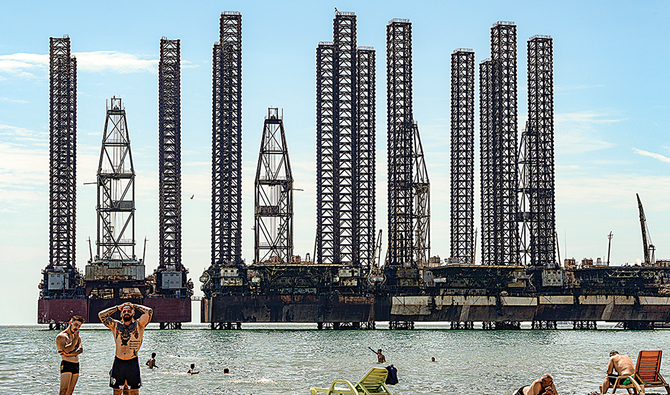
<point x="288" y="308"/>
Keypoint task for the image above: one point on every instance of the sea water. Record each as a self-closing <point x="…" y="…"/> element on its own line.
<point x="288" y="359"/>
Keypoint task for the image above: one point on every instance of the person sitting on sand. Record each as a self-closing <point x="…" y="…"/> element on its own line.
<point x="542" y="386"/>
<point x="151" y="363"/>
<point x="622" y="365"/>
<point x="192" y="370"/>
<point x="380" y="357"/>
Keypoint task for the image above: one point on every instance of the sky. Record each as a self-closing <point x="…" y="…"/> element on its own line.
<point x="611" y="115"/>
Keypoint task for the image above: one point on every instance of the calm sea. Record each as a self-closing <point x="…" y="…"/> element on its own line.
<point x="281" y="359"/>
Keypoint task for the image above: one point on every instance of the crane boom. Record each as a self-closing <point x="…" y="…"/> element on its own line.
<point x="643" y="225"/>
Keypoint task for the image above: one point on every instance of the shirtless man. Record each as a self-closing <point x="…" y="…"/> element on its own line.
<point x="151" y="362"/>
<point x="623" y="366"/>
<point x="128" y="333"/>
<point x="542" y="386"/>
<point x="69" y="347"/>
<point x="380" y="357"/>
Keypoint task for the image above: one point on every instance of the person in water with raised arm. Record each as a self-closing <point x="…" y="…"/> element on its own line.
<point x="380" y="357"/>
<point x="69" y="347"/>
<point x="128" y="334"/>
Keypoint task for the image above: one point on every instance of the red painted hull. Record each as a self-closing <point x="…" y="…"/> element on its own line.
<point x="50" y="311"/>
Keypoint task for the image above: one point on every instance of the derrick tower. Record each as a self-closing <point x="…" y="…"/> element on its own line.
<point x="61" y="276"/>
<point x="345" y="147"/>
<point x="462" y="155"/>
<point x="400" y="123"/>
<point x="499" y="149"/>
<point x="536" y="163"/>
<point x="421" y="204"/>
<point x="171" y="274"/>
<point x="226" y="151"/>
<point x="273" y="214"/>
<point x="116" y="192"/>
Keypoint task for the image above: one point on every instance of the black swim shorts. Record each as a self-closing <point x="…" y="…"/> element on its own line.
<point x="520" y="390"/>
<point x="125" y="371"/>
<point x="69" y="367"/>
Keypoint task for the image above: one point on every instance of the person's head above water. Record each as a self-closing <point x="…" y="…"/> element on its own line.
<point x="153" y="355"/>
<point x="226" y="370"/>
<point x="192" y="366"/>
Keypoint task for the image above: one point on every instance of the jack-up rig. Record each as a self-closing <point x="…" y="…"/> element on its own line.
<point x="343" y="286"/>
<point x="346" y="284"/>
<point x="115" y="274"/>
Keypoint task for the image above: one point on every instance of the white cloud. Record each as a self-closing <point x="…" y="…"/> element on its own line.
<point x="103" y="61"/>
<point x="577" y="133"/>
<point x="652" y="155"/>
<point x="23" y="65"/>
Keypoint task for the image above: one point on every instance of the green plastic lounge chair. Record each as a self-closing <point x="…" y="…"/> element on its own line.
<point x="373" y="383"/>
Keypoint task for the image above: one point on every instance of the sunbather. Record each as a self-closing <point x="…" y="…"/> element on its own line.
<point x="542" y="386"/>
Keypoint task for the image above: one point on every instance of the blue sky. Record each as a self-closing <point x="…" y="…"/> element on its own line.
<point x="611" y="114"/>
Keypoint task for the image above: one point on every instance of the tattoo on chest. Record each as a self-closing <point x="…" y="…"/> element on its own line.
<point x="126" y="332"/>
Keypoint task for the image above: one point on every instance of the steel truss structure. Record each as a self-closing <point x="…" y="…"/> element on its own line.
<point x="273" y="213"/>
<point x="486" y="161"/>
<point x="536" y="163"/>
<point x="345" y="147"/>
<point x="421" y="213"/>
<point x="116" y="189"/>
<point x="500" y="234"/>
<point x="365" y="180"/>
<point x="169" y="154"/>
<point x="462" y="155"/>
<point x="62" y="153"/>
<point x="400" y="121"/>
<point x="227" y="143"/>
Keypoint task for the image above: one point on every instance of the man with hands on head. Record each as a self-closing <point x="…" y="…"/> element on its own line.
<point x="128" y="334"/>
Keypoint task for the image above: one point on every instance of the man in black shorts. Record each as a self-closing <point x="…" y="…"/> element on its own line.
<point x="128" y="333"/>
<point x="69" y="347"/>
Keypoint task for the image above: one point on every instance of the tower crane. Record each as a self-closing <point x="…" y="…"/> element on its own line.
<point x="649" y="248"/>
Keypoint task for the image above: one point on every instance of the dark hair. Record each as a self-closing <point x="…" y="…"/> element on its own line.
<point x="226" y="370"/>
<point x="153" y="355"/>
<point x="613" y="352"/>
<point x="77" y="318"/>
<point x="192" y="365"/>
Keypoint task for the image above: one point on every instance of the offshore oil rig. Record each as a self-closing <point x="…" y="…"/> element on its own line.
<point x="115" y="274"/>
<point x="345" y="284"/>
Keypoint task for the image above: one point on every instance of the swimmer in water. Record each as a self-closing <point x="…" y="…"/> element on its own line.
<point x="192" y="370"/>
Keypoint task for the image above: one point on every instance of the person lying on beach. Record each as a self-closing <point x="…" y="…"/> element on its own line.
<point x="542" y="386"/>
<point x="380" y="357"/>
<point x="192" y="370"/>
<point x="622" y="365"/>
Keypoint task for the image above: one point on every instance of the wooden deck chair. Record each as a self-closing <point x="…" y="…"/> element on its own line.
<point x="628" y="383"/>
<point x="648" y="370"/>
<point x="373" y="383"/>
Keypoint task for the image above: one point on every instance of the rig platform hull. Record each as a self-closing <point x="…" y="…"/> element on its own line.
<point x="58" y="311"/>
<point x="288" y="308"/>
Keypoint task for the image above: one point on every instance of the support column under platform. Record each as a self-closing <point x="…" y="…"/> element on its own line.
<point x="462" y="325"/>
<point x="501" y="325"/>
<point x="401" y="325"/>
<point x="638" y="325"/>
<point x="543" y="325"/>
<point x="581" y="325"/>
<point x="345" y="325"/>
<point x="225" y="325"/>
